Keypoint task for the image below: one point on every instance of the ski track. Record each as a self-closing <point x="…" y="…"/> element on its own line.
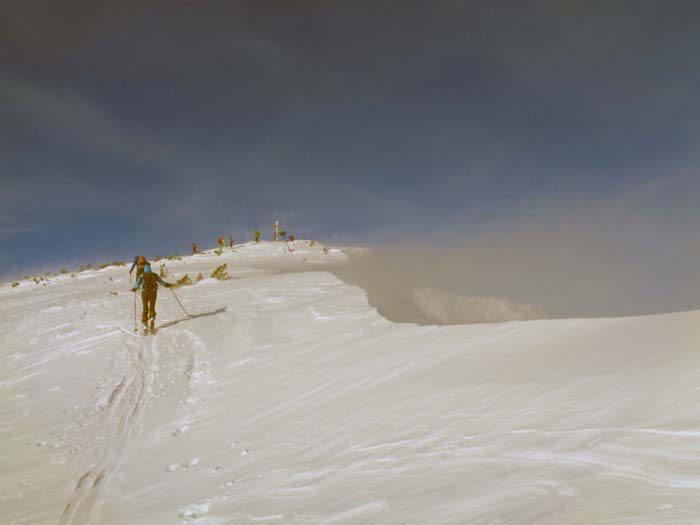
<point x="105" y="429"/>
<point x="120" y="423"/>
<point x="122" y="410"/>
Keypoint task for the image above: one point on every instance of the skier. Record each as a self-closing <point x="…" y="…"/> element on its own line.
<point x="230" y="241"/>
<point x="140" y="263"/>
<point x="257" y="235"/>
<point x="221" y="242"/>
<point x="194" y="248"/>
<point x="148" y="282"/>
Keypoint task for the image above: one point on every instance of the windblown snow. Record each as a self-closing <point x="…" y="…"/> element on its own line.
<point x="449" y="308"/>
<point x="286" y="398"/>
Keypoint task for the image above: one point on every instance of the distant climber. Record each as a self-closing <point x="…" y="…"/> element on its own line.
<point x="148" y="282"/>
<point x="140" y="263"/>
<point x="194" y="248"/>
<point x="222" y="243"/>
<point x="230" y="241"/>
<point x="257" y="235"/>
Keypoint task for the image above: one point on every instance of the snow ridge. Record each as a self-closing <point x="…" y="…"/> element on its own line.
<point x="286" y="398"/>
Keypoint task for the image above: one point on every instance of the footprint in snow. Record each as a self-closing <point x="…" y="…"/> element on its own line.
<point x="195" y="510"/>
<point x="180" y="430"/>
<point x="190" y="463"/>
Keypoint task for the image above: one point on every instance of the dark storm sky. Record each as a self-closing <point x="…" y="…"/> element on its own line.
<point x="137" y="127"/>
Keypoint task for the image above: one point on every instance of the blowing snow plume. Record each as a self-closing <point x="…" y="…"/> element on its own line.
<point x="602" y="267"/>
<point x="404" y="289"/>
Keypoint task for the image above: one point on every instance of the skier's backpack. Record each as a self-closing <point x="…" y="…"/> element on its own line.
<point x="149" y="281"/>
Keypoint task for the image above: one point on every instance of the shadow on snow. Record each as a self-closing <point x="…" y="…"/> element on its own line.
<point x="195" y="316"/>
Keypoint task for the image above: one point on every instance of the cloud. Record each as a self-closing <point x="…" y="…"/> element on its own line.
<point x="93" y="147"/>
<point x="19" y="24"/>
<point x="632" y="252"/>
<point x="12" y="225"/>
<point x="74" y="120"/>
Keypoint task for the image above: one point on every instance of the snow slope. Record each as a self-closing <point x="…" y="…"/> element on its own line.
<point x="287" y="399"/>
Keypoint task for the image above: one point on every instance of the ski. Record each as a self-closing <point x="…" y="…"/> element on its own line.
<point x="127" y="332"/>
<point x="149" y="328"/>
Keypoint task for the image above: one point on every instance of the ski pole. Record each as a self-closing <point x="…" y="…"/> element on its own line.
<point x="178" y="302"/>
<point x="130" y="286"/>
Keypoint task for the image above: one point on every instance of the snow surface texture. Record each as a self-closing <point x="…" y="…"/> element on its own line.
<point x="287" y="399"/>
